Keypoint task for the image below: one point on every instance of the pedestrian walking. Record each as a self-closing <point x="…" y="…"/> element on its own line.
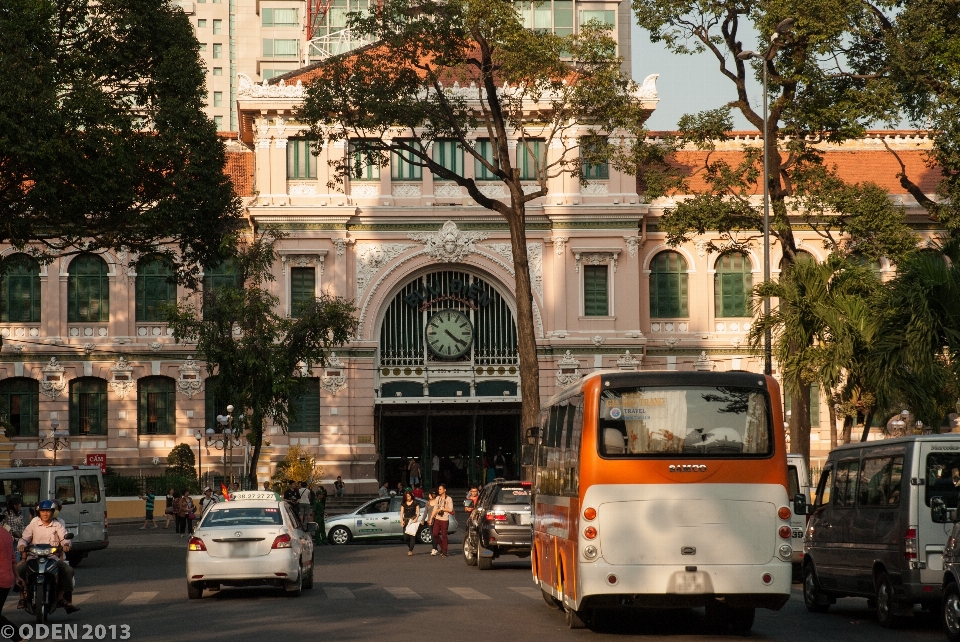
<point x="168" y="510"/>
<point x="431" y="509"/>
<point x="319" y="512"/>
<point x="191" y="511"/>
<point x="180" y="511"/>
<point x="150" y="500"/>
<point x="8" y="571"/>
<point x="414" y="468"/>
<point x="409" y="520"/>
<point x="338" y="487"/>
<point x="435" y="468"/>
<point x="304" y="502"/>
<point x="441" y="520"/>
<point x="13" y="520"/>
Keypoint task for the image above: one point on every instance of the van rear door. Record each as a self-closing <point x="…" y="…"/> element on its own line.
<point x="92" y="507"/>
<point x="940" y="466"/>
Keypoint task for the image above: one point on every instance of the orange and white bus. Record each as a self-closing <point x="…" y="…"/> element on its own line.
<point x="663" y="489"/>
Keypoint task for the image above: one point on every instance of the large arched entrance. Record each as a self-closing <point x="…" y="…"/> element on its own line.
<point x="448" y="379"/>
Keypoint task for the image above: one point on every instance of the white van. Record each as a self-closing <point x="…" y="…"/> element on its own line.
<point x="79" y="489"/>
<point x="798" y="475"/>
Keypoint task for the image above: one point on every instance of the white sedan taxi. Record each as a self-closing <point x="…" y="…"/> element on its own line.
<point x="252" y="539"/>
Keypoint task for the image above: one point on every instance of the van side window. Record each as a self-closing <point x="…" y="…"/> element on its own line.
<point x="824" y="487"/>
<point x="793" y="481"/>
<point x="880" y="481"/>
<point x="845" y="486"/>
<point x="66" y="490"/>
<point x="943" y="477"/>
<point x="27" y="489"/>
<point x="89" y="489"/>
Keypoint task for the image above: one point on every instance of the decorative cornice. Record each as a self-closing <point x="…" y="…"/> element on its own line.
<point x="450" y="244"/>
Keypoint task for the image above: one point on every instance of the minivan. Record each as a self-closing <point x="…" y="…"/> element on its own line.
<point x="83" y="503"/>
<point x="798" y="476"/>
<point x="871" y="533"/>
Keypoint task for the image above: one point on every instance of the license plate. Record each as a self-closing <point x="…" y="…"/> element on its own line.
<point x="524" y="519"/>
<point x="689" y="583"/>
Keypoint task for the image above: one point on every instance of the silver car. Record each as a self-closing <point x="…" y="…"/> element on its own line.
<point x="378" y="518"/>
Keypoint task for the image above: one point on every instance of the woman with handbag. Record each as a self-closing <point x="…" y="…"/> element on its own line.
<point x="191" y="511"/>
<point x="180" y="511"/>
<point x="409" y="519"/>
<point x="168" y="511"/>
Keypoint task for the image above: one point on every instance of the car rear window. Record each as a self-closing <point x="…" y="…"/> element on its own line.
<point x="513" y="495"/>
<point x="242" y="517"/>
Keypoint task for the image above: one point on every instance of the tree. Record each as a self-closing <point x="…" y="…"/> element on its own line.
<point x="299" y="466"/>
<point x="446" y="71"/>
<point x="180" y="462"/>
<point x="260" y="356"/>
<point x="103" y="139"/>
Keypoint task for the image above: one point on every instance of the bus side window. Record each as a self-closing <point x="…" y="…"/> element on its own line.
<point x="823" y="488"/>
<point x="571" y="448"/>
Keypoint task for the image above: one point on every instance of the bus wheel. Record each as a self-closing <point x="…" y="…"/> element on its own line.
<point x="550" y="601"/>
<point x="574" y="619"/>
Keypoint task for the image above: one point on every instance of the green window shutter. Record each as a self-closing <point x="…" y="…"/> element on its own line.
<point x="88" y="290"/>
<point x="485" y="149"/>
<point x="20" y="405"/>
<point x="212" y="404"/>
<point x="303" y="289"/>
<point x="402" y="167"/>
<point x="360" y="168"/>
<point x="449" y="155"/>
<point x="216" y="279"/>
<point x="732" y="284"/>
<point x="306" y="408"/>
<point x="668" y="286"/>
<point x="301" y="163"/>
<point x="88" y="406"/>
<point x="156" y="405"/>
<point x="155" y="288"/>
<point x="595" y="291"/>
<point x="531" y="158"/>
<point x="20" y="290"/>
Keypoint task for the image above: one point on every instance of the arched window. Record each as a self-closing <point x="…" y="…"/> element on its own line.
<point x="20" y="290"/>
<point x="213" y="405"/>
<point x="306" y="407"/>
<point x="156" y="406"/>
<point x="156" y="287"/>
<point x="88" y="290"/>
<point x="88" y="406"/>
<point x="803" y="257"/>
<point x="224" y="275"/>
<point x="873" y="264"/>
<point x="732" y="284"/>
<point x="20" y="406"/>
<point x="668" y="286"/>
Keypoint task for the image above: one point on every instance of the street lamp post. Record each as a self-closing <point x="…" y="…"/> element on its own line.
<point x="783" y="27"/>
<point x="199" y="437"/>
<point x="225" y="440"/>
<point x="57" y="441"/>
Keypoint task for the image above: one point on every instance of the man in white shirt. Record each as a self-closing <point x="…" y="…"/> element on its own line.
<point x="304" y="502"/>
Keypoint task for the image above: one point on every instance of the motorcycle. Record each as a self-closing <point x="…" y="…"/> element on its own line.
<point x="42" y="580"/>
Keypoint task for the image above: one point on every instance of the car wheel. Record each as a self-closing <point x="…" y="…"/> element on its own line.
<point x="813" y="598"/>
<point x="194" y="591"/>
<point x="340" y="535"/>
<point x="308" y="580"/>
<point x="469" y="551"/>
<point x="294" y="589"/>
<point x="483" y="563"/>
<point x="425" y="535"/>
<point x="551" y="601"/>
<point x="886" y="603"/>
<point x="951" y="612"/>
<point x="575" y="619"/>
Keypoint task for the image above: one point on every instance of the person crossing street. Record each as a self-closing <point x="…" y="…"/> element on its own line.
<point x="441" y="519"/>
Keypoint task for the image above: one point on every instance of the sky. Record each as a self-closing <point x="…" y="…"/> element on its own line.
<point x="687" y="83"/>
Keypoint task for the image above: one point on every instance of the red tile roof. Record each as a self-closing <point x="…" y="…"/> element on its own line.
<point x="239" y="168"/>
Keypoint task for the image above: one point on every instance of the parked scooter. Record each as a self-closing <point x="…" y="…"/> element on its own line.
<point x="42" y="580"/>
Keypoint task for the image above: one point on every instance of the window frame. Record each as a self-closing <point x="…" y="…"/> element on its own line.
<point x="88" y="395"/>
<point x="19" y="289"/>
<point x="484" y="147"/>
<point x="96" y="285"/>
<point x="846" y="466"/>
<point x="301" y="417"/>
<point x="402" y="167"/>
<point x="531" y="158"/>
<point x="596" y="269"/>
<point x="304" y="295"/>
<point x="29" y="391"/>
<point x="661" y="280"/>
<point x="723" y="276"/>
<point x="167" y="425"/>
<point x="370" y="171"/>
<point x="439" y="151"/>
<point x="300" y="154"/>
<point x="149" y="276"/>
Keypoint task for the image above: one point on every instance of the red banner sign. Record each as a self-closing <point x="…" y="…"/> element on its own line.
<point x="98" y="459"/>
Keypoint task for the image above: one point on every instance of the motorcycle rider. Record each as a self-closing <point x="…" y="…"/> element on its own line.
<point x="47" y="530"/>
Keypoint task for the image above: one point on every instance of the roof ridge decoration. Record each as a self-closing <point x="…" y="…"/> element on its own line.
<point x="246" y="88"/>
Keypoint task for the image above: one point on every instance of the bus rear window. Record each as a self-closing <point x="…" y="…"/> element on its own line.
<point x="699" y="422"/>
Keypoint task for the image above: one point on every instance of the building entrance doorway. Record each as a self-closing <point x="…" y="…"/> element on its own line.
<point x="454" y="444"/>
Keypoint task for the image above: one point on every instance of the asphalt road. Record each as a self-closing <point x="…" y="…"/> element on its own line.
<point x="376" y="592"/>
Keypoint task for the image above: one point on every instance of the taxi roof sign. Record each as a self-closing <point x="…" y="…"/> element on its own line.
<point x="268" y="495"/>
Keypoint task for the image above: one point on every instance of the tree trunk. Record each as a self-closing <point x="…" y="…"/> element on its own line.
<point x="833" y="424"/>
<point x="255" y="455"/>
<point x="526" y="336"/>
<point x="800" y="421"/>
<point x="867" y="420"/>
<point x="847" y="430"/>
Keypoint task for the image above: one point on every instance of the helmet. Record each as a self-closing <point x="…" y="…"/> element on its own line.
<point x="46" y="505"/>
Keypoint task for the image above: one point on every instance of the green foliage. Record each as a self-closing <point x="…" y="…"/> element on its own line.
<point x="103" y="139"/>
<point x="117" y="485"/>
<point x="298" y="465"/>
<point x="181" y="461"/>
<point x="261" y="356"/>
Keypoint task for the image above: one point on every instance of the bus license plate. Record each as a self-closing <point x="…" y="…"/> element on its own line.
<point x="689" y="583"/>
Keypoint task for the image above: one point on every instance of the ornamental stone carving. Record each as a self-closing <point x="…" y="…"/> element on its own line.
<point x="334" y="377"/>
<point x="492" y="191"/>
<point x="628" y="362"/>
<point x="704" y="363"/>
<point x="597" y="340"/>
<point x="122" y="381"/>
<point x="648" y="89"/>
<point x="189" y="382"/>
<point x="568" y="370"/>
<point x="702" y="246"/>
<point x="365" y="190"/>
<point x="560" y="244"/>
<point x="341" y="245"/>
<point x="302" y="189"/>
<point x="447" y="190"/>
<point x="371" y="257"/>
<point x="530" y="189"/>
<point x="534" y="259"/>
<point x="633" y="243"/>
<point x="52" y="382"/>
<point x="302" y="260"/>
<point x="246" y="88"/>
<point x="449" y="244"/>
<point x="156" y="346"/>
<point x="595" y="189"/>
<point x="406" y="190"/>
<point x="596" y="258"/>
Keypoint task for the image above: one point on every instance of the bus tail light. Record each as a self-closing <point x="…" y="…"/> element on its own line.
<point x="590" y="532"/>
<point x="910" y="544"/>
<point x="590" y="514"/>
<point x="496" y="516"/>
<point x="785" y="532"/>
<point x="784" y="512"/>
<point x="767" y="579"/>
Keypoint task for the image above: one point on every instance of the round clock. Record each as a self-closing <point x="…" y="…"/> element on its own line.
<point x="449" y="334"/>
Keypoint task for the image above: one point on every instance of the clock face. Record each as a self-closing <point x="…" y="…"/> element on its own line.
<point x="449" y="334"/>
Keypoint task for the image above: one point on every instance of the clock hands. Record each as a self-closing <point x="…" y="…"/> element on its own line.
<point x="450" y="334"/>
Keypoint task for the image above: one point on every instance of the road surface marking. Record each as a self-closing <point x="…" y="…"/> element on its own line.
<point x="80" y="599"/>
<point x="469" y="593"/>
<point x="529" y="591"/>
<point x="339" y="593"/>
<point x="140" y="597"/>
<point x="402" y="592"/>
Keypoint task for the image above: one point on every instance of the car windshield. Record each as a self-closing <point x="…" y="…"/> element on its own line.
<point x="242" y="517"/>
<point x="699" y="422"/>
<point x="513" y="495"/>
